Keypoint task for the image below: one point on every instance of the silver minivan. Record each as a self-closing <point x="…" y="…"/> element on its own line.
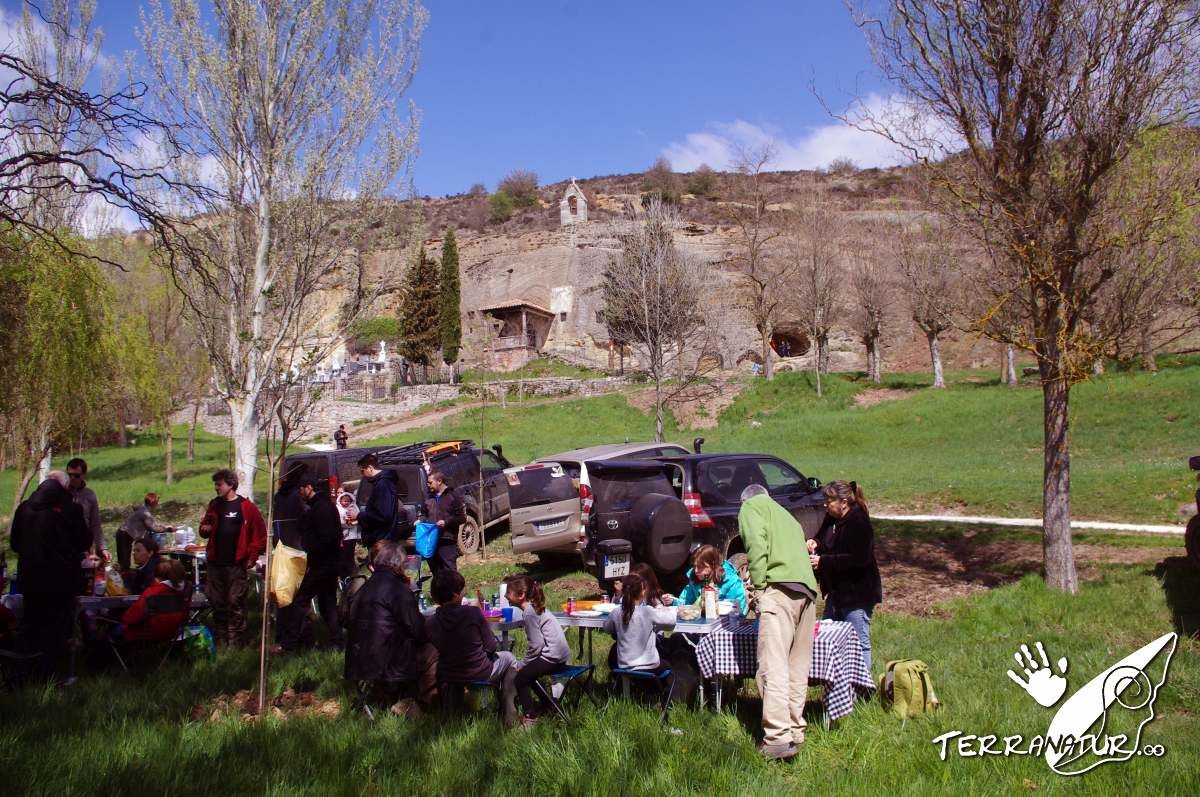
<point x="550" y="499"/>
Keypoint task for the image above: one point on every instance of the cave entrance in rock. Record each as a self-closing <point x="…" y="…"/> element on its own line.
<point x="789" y="339"/>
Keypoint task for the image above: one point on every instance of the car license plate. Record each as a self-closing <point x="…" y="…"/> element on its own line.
<point x="616" y="565"/>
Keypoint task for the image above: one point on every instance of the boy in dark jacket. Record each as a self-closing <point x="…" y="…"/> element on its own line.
<point x="445" y="509"/>
<point x="386" y="636"/>
<point x="377" y="518"/>
<point x="236" y="536"/>
<point x="465" y="644"/>
<point x="321" y="538"/>
<point x="50" y="537"/>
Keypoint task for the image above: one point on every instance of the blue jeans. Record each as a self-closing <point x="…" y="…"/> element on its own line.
<point x="860" y="619"/>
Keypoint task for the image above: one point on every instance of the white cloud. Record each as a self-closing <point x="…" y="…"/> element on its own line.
<point x="719" y="143"/>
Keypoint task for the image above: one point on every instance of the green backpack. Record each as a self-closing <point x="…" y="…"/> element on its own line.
<point x="905" y="688"/>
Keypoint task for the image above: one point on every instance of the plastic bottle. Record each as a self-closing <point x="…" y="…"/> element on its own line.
<point x="710" y="603"/>
<point x="99" y="585"/>
<point x="571" y="605"/>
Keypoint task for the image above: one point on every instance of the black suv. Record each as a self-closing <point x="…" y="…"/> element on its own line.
<point x="711" y="488"/>
<point x="476" y="474"/>
<point x="636" y="515"/>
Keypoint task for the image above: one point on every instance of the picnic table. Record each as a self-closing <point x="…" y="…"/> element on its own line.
<point x="837" y="662"/>
<point x="587" y="622"/>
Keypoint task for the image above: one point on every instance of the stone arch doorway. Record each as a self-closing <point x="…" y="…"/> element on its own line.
<point x="789" y="339"/>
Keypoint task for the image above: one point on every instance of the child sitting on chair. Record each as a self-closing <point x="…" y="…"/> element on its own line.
<point x="547" y="651"/>
<point x="632" y="625"/>
<point x="709" y="568"/>
<point x="465" y="644"/>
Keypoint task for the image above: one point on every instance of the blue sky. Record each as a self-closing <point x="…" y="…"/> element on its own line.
<point x="582" y="89"/>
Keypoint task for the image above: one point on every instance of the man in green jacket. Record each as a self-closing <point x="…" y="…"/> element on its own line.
<point x="786" y="591"/>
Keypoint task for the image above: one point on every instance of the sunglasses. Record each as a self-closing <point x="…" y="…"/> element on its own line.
<point x="74" y="475"/>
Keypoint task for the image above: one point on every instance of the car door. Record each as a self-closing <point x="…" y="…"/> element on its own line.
<point x="790" y="490"/>
<point x="495" y="491"/>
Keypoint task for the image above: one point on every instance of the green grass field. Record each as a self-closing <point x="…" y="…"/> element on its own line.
<point x="114" y="734"/>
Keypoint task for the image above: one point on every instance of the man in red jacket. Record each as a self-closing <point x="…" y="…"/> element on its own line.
<point x="236" y="537"/>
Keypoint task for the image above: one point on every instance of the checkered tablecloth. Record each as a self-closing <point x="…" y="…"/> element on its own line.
<point x="836" y="664"/>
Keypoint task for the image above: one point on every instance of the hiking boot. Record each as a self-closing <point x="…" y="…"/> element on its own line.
<point x="778" y="752"/>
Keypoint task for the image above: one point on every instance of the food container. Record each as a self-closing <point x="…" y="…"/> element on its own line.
<point x="688" y="613"/>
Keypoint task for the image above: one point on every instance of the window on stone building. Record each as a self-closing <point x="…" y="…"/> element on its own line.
<point x="562" y="316"/>
<point x="573" y="204"/>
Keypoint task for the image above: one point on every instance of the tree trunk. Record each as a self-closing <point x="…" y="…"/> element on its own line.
<point x="768" y="374"/>
<point x="935" y="357"/>
<point x="658" y="409"/>
<point x="823" y="353"/>
<point x="1010" y="366"/>
<point x="876" y="360"/>
<point x="1056" y="485"/>
<point x="243" y="432"/>
<point x="1147" y="347"/>
<point x="169" y="441"/>
<point x="191" y="452"/>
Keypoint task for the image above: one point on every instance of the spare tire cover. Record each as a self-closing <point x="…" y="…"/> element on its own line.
<point x="665" y="529"/>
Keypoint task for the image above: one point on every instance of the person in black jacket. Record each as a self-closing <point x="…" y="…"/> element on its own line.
<point x="50" y="537"/>
<point x="843" y="557"/>
<point x="386" y="639"/>
<point x="145" y="556"/>
<point x="377" y="517"/>
<point x="445" y="509"/>
<point x="321" y="539"/>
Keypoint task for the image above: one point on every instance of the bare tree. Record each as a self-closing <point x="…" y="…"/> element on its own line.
<point x="926" y="261"/>
<point x="815" y="238"/>
<point x="63" y="149"/>
<point x="762" y="273"/>
<point x="652" y="300"/>
<point x="294" y="109"/>
<point x="1039" y="104"/>
<point x="870" y="311"/>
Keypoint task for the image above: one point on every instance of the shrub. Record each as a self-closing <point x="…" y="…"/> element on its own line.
<point x="501" y="205"/>
<point x="703" y="181"/>
<point x="477" y="189"/>
<point x="842" y="166"/>
<point x="660" y="181"/>
<point x="365" y="333"/>
<point x="521" y="185"/>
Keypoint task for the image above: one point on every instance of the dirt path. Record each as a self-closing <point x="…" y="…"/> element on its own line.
<point x="370" y="431"/>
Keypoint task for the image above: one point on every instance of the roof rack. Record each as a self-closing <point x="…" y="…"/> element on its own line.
<point x="415" y="452"/>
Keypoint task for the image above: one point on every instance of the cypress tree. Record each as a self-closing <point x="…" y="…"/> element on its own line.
<point x="420" y="311"/>
<point x="451" y="322"/>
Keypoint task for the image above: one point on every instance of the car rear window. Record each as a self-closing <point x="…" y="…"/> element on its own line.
<point x="617" y="491"/>
<point x="533" y="486"/>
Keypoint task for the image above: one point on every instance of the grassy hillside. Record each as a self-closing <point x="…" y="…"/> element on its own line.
<point x="975" y="447"/>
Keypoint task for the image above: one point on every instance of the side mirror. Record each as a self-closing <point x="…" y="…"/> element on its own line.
<point x="814" y="484"/>
<point x="697" y="443"/>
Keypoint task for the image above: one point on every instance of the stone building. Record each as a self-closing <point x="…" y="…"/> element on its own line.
<point x="573" y="207"/>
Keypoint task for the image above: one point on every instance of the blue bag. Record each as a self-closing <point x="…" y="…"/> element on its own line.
<point x="426" y="539"/>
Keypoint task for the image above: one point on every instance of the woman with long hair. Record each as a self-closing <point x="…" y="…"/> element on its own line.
<point x="843" y="557"/>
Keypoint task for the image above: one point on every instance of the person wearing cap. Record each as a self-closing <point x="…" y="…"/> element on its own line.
<point x="321" y="538"/>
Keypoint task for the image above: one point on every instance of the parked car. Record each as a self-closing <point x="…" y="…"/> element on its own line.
<point x="475" y="474"/>
<point x="551" y="497"/>
<point x="636" y="516"/>
<point x="711" y="488"/>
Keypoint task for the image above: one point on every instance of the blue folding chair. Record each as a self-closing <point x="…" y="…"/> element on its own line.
<point x="579" y="675"/>
<point x="661" y="680"/>
<point x="450" y="691"/>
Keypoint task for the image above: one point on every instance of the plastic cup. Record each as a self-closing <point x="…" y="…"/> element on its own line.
<point x="508" y="614"/>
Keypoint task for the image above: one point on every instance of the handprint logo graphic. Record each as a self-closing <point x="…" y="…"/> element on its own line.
<point x="1041" y="682"/>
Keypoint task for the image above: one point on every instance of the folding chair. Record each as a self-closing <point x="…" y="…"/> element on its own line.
<point x="578" y="674"/>
<point x="661" y="680"/>
<point x="450" y="692"/>
<point x="155" y="605"/>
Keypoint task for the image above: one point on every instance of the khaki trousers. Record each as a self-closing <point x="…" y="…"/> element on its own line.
<point x="785" y="643"/>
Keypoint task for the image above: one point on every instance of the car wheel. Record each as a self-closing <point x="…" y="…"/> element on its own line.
<point x="470" y="537"/>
